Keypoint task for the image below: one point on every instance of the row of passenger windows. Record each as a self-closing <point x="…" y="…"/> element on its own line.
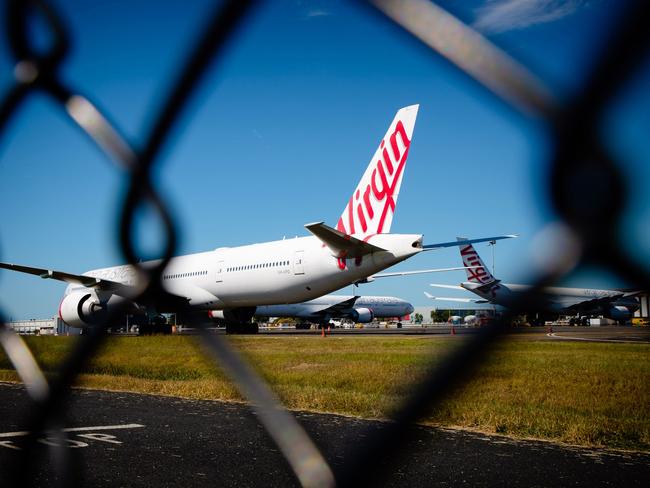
<point x="258" y="266"/>
<point x="184" y="275"/>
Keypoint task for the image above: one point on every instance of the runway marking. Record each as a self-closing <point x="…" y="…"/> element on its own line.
<point x="586" y="339"/>
<point x="78" y="429"/>
<point x="50" y="440"/>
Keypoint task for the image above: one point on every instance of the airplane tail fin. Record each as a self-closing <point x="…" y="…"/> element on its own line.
<point x="477" y="271"/>
<point x="372" y="204"/>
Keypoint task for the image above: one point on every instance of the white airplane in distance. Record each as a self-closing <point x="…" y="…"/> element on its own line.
<point x="362" y="309"/>
<point x="236" y="280"/>
<point x="579" y="302"/>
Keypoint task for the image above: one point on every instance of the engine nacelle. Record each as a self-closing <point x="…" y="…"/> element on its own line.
<point x="470" y="319"/>
<point x="82" y="309"/>
<point x="362" y="315"/>
<point x="85" y="308"/>
<point x="217" y="314"/>
<point x="619" y="312"/>
<point x="233" y="315"/>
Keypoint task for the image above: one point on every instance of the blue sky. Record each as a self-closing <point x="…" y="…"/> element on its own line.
<point x="283" y="126"/>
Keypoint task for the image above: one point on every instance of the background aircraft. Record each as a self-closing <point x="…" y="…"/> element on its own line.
<point x="580" y="302"/>
<point x="362" y="309"/>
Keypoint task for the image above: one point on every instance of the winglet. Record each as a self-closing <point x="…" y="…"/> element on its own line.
<point x="341" y="245"/>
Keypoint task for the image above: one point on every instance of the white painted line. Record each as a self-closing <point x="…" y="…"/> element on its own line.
<point x="595" y="339"/>
<point x="13" y="434"/>
<point x="78" y="429"/>
<point x="104" y="427"/>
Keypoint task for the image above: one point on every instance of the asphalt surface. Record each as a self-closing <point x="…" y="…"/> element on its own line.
<point x="122" y="439"/>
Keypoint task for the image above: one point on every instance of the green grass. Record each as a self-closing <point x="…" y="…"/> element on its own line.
<point x="582" y="393"/>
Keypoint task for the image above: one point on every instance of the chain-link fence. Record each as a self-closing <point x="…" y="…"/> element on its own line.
<point x="578" y="152"/>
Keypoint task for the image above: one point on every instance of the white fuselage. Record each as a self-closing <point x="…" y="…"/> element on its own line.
<point x="553" y="299"/>
<point x="381" y="307"/>
<point x="286" y="271"/>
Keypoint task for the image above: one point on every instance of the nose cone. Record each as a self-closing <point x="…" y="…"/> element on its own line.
<point x="409" y="309"/>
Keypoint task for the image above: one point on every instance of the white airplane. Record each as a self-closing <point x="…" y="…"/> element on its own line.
<point x="581" y="302"/>
<point x="362" y="309"/>
<point x="234" y="281"/>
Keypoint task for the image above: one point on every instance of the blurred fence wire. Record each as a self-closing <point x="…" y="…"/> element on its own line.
<point x="592" y="225"/>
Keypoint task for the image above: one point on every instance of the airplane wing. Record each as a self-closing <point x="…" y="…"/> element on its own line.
<point x="449" y="299"/>
<point x="337" y="307"/>
<point x="342" y="245"/>
<point x="580" y="303"/>
<point x="87" y="281"/>
<point x="168" y="301"/>
<point x="419" y="271"/>
<point x="406" y="273"/>
<point x="430" y="247"/>
<point x="450" y="287"/>
<point x="632" y="293"/>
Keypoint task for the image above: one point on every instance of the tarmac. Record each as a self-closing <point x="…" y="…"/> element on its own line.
<point x="125" y="439"/>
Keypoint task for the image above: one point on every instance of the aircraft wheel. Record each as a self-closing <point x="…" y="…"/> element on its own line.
<point x="585" y="321"/>
<point x="399" y="325"/>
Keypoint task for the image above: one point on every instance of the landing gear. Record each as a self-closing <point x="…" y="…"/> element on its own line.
<point x="399" y="325"/>
<point x="303" y="326"/>
<point x="155" y="324"/>
<point x="585" y="321"/>
<point x="246" y="328"/>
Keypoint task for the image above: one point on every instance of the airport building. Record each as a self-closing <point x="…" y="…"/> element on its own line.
<point x="53" y="326"/>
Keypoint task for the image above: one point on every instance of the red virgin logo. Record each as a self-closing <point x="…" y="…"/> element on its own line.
<point x="471" y="258"/>
<point x="368" y="207"/>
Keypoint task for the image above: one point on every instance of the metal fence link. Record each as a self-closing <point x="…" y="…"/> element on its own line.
<point x="471" y="53"/>
<point x="578" y="151"/>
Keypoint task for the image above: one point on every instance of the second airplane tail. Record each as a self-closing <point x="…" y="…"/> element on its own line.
<point x="476" y="270"/>
<point x="372" y="204"/>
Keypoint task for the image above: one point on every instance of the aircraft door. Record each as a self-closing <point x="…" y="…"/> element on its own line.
<point x="299" y="262"/>
<point x="220" y="271"/>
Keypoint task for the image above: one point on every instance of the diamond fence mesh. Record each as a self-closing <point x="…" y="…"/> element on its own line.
<point x="592" y="229"/>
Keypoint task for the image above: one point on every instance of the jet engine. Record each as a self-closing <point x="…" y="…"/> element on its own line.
<point x="233" y="315"/>
<point x="362" y="315"/>
<point x="82" y="309"/>
<point x="619" y="312"/>
<point x="86" y="308"/>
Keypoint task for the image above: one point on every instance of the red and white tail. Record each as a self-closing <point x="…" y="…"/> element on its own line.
<point x="479" y="273"/>
<point x="372" y="204"/>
